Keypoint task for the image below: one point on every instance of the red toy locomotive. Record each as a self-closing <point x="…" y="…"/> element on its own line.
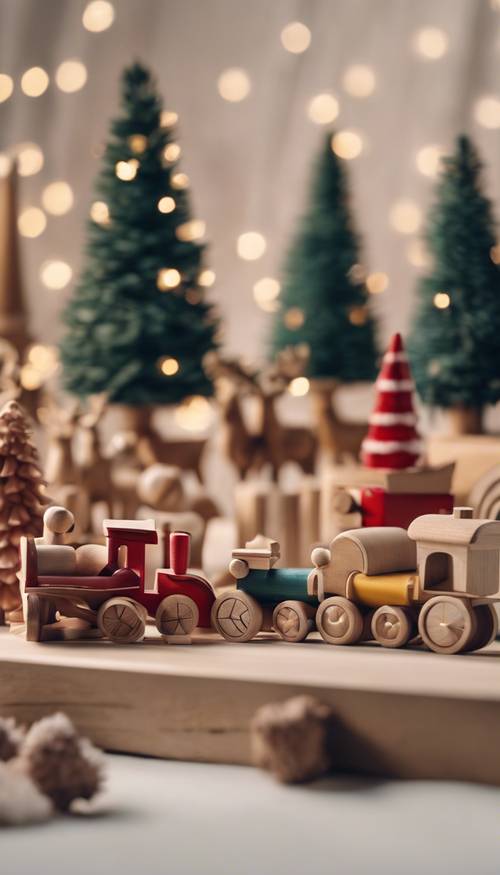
<point x="61" y="602"/>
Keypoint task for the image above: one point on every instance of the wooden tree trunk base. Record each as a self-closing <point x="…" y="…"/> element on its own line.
<point x="465" y="420"/>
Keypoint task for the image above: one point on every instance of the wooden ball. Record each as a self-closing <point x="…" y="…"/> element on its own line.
<point x="58" y="520"/>
<point x="320" y="556"/>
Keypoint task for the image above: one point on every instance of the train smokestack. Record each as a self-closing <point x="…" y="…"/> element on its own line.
<point x="179" y="551"/>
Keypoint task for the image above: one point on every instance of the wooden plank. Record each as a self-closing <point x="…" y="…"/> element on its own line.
<point x="397" y="711"/>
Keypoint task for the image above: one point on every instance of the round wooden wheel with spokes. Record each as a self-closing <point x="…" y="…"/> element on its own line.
<point x="293" y="620"/>
<point x="237" y="616"/>
<point x="122" y="620"/>
<point x="177" y="616"/>
<point x="447" y="624"/>
<point x="339" y="621"/>
<point x="487" y="627"/>
<point x="391" y="626"/>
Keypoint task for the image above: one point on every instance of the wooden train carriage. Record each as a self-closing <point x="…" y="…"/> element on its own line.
<point x="439" y="580"/>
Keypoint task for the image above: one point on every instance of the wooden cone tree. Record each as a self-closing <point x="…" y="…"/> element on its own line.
<point x="22" y="497"/>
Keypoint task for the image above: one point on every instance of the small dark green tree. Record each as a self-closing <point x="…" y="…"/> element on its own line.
<point x="454" y="343"/>
<point x="324" y="298"/>
<point x="138" y="323"/>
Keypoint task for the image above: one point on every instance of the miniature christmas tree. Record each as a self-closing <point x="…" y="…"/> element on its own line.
<point x="138" y="324"/>
<point x="454" y="342"/>
<point x="324" y="299"/>
<point x="21" y="497"/>
<point x="392" y="441"/>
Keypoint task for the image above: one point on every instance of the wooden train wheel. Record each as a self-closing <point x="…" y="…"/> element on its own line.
<point x="177" y="616"/>
<point x="391" y="626"/>
<point x="487" y="627"/>
<point x="339" y="621"/>
<point x="447" y="624"/>
<point x="237" y="616"/>
<point x="121" y="620"/>
<point x="293" y="620"/>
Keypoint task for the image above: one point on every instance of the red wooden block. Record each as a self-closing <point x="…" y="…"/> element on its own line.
<point x="382" y="508"/>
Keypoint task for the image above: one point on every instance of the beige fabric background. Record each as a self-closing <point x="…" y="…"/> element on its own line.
<point x="248" y="162"/>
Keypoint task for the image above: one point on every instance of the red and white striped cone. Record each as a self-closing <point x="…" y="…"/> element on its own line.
<point x="393" y="441"/>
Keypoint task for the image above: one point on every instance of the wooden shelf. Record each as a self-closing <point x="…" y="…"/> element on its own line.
<point x="406" y="713"/>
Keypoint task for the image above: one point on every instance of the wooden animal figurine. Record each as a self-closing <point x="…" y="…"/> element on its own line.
<point x="272" y="443"/>
<point x="339" y="439"/>
<point x="244" y="449"/>
<point x="94" y="469"/>
<point x="152" y="448"/>
<point x="284" y="443"/>
<point x="440" y="579"/>
<point x="109" y="596"/>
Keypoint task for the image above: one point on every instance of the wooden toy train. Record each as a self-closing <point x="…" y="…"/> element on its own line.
<point x="438" y="581"/>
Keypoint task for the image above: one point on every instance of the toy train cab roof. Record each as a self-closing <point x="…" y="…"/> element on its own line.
<point x="458" y="553"/>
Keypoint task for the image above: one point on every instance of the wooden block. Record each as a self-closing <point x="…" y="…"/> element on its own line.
<point x="255" y="509"/>
<point x="309" y="512"/>
<point x="198" y="705"/>
<point x="436" y="478"/>
<point x="289" y="533"/>
<point x="473" y="456"/>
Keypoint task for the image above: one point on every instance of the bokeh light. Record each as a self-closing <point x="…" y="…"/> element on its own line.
<point x="169" y="366"/>
<point x="294" y="318"/>
<point x="359" y="80"/>
<point x="206" y="278"/>
<point x="168" y="278"/>
<point x="265" y="292"/>
<point x="377" y="282"/>
<point x="138" y="143"/>
<point x="431" y="43"/>
<point x="172" y="152"/>
<point x="251" y="245"/>
<point x="180" y="181"/>
<point x="57" y="198"/>
<point x="31" y="222"/>
<point x="98" y="16"/>
<point x="299" y="386"/>
<point x="441" y="300"/>
<point x="166" y="204"/>
<point x="234" y="84"/>
<point x="296" y="37"/>
<point x="127" y="170"/>
<point x="34" y="81"/>
<point x="323" y="109"/>
<point x="99" y="213"/>
<point x="487" y="112"/>
<point x="6" y="86"/>
<point x="192" y="230"/>
<point x="428" y="160"/>
<point x="71" y="75"/>
<point x="55" y="274"/>
<point x="29" y="159"/>
<point x="347" y="144"/>
<point x="405" y="216"/>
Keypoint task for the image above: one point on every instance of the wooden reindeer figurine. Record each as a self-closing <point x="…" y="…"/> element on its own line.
<point x="93" y="467"/>
<point x="340" y="439"/>
<point x="152" y="448"/>
<point x="284" y="443"/>
<point x="232" y="380"/>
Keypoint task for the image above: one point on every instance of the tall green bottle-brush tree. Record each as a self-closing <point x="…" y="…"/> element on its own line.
<point x="324" y="298"/>
<point x="454" y="344"/>
<point x="138" y="324"/>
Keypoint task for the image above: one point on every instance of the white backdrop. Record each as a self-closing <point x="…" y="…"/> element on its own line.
<point x="249" y="161"/>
